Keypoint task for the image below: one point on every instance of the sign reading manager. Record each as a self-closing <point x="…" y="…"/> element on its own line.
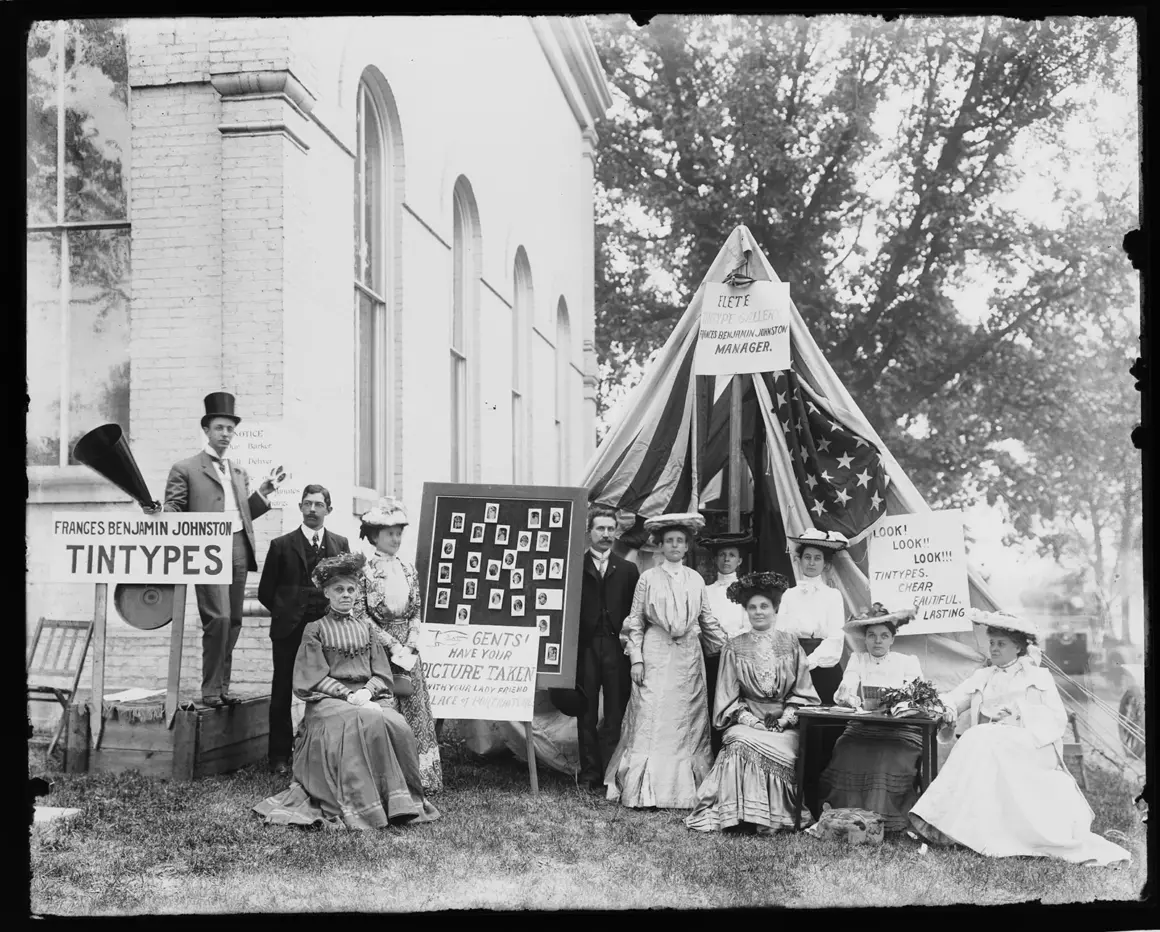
<point x="743" y="330"/>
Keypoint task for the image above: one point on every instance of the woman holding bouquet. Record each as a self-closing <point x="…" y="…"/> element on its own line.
<point x="1004" y="791"/>
<point x="874" y="766"/>
<point x="763" y="680"/>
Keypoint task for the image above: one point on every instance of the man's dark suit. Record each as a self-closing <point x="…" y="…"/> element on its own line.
<point x="286" y="590"/>
<point x="604" y="604"/>
<point x="196" y="484"/>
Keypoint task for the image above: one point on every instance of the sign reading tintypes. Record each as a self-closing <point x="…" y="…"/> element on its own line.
<point x="920" y="560"/>
<point x="743" y="329"/>
<point x="480" y="671"/>
<point x="192" y="547"/>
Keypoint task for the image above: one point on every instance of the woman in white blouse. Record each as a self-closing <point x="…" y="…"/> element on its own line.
<point x="663" y="753"/>
<point x="389" y="595"/>
<point x="875" y="766"/>
<point x="1005" y="791"/>
<point x="814" y="613"/>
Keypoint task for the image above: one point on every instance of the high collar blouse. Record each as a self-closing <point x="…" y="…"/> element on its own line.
<point x="811" y="609"/>
<point x="890" y="672"/>
<point x="733" y="618"/>
<point x="671" y="597"/>
<point x="387" y="586"/>
<point x="1027" y="689"/>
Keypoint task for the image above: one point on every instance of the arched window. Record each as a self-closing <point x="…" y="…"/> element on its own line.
<point x="523" y="306"/>
<point x="375" y="228"/>
<point x="563" y="395"/>
<point x="464" y="318"/>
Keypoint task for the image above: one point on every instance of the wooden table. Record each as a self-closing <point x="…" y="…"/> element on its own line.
<point x="833" y="716"/>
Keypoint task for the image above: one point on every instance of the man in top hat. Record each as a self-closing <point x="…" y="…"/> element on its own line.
<point x="605" y="601"/>
<point x="208" y="481"/>
<point x="294" y="601"/>
<point x="728" y="551"/>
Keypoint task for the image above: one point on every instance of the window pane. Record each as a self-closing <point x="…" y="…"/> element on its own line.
<point x="372" y="179"/>
<point x="366" y="390"/>
<point x="96" y="121"/>
<point x="98" y="373"/>
<point x="43" y="349"/>
<point x="40" y="154"/>
<point x="358" y="187"/>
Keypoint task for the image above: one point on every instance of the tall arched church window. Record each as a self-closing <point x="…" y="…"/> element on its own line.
<point x="374" y="234"/>
<point x="563" y="384"/>
<point x="523" y="306"/>
<point x="464" y="317"/>
<point x="78" y="270"/>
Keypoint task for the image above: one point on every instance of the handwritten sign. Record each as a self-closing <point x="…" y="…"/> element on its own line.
<point x="921" y="560"/>
<point x="743" y="329"/>
<point x="480" y="671"/>
<point x="191" y="547"/>
<point x="258" y="447"/>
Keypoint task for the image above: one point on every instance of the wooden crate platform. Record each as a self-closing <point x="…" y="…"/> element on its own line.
<point x="202" y="742"/>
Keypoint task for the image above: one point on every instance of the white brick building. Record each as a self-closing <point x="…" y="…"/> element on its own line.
<point x="377" y="233"/>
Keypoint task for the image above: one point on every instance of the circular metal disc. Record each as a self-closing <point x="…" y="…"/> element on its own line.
<point x="144" y="605"/>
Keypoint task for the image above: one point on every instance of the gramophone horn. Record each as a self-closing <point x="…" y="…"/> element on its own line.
<point x="106" y="452"/>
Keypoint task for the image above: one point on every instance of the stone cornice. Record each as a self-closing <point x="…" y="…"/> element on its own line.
<point x="264" y="84"/>
<point x="572" y="57"/>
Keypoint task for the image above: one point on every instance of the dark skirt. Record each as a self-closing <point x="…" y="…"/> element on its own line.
<point x="827" y="680"/>
<point x="875" y="768"/>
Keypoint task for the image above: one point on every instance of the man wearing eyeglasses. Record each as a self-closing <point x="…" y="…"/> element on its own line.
<point x="287" y="591"/>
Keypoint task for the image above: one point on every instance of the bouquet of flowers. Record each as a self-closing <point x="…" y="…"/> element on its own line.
<point x="918" y="697"/>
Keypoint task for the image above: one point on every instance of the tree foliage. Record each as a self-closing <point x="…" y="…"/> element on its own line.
<point x="875" y="162"/>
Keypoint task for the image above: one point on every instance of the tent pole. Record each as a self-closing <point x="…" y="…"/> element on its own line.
<point x="735" y="454"/>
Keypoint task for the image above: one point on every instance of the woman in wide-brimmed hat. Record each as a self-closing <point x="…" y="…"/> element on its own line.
<point x="664" y="751"/>
<point x="814" y="612"/>
<point x="355" y="764"/>
<point x="1005" y="791"/>
<point x="875" y="767"/>
<point x="764" y="679"/>
<point x="389" y="594"/>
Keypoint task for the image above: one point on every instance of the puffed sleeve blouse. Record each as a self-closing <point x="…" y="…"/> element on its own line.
<point x="339" y="656"/>
<point x="892" y="672"/>
<point x="1028" y="689"/>
<point x="673" y="598"/>
<point x="811" y="609"/>
<point x="388" y="592"/>
<point x="761" y="673"/>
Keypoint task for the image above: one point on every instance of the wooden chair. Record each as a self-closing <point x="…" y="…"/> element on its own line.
<point x="63" y="653"/>
<point x="1073" y="753"/>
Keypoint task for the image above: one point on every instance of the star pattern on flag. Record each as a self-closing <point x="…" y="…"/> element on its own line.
<point x="840" y="475"/>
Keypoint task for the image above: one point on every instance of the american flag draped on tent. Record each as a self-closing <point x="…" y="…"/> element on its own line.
<point x="808" y="446"/>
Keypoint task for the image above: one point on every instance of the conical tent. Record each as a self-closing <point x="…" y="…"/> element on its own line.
<point x="667" y="445"/>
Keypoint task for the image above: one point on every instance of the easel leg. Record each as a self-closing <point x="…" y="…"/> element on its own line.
<point x="532" y="775"/>
<point x="100" y="620"/>
<point x="176" y="642"/>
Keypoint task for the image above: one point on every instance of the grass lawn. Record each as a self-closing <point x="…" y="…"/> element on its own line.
<point x="149" y="846"/>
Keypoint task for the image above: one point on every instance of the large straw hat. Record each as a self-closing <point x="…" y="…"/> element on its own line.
<point x="751" y="584"/>
<point x="688" y="521"/>
<point x="823" y="540"/>
<point x="388" y="512"/>
<point x="1005" y="622"/>
<point x="878" y="614"/>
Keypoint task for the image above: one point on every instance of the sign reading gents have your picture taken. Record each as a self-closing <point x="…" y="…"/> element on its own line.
<point x="510" y="556"/>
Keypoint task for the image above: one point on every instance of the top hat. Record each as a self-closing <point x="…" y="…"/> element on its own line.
<point x="219" y="404"/>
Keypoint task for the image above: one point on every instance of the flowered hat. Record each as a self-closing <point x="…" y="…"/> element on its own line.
<point x="823" y="540"/>
<point x="1005" y="622"/>
<point x="878" y="614"/>
<point x="740" y="540"/>
<point x="689" y="522"/>
<point x="751" y="584"/>
<point x="345" y="565"/>
<point x="388" y="512"/>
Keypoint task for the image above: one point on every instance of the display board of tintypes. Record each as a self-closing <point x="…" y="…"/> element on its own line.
<point x="508" y="555"/>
